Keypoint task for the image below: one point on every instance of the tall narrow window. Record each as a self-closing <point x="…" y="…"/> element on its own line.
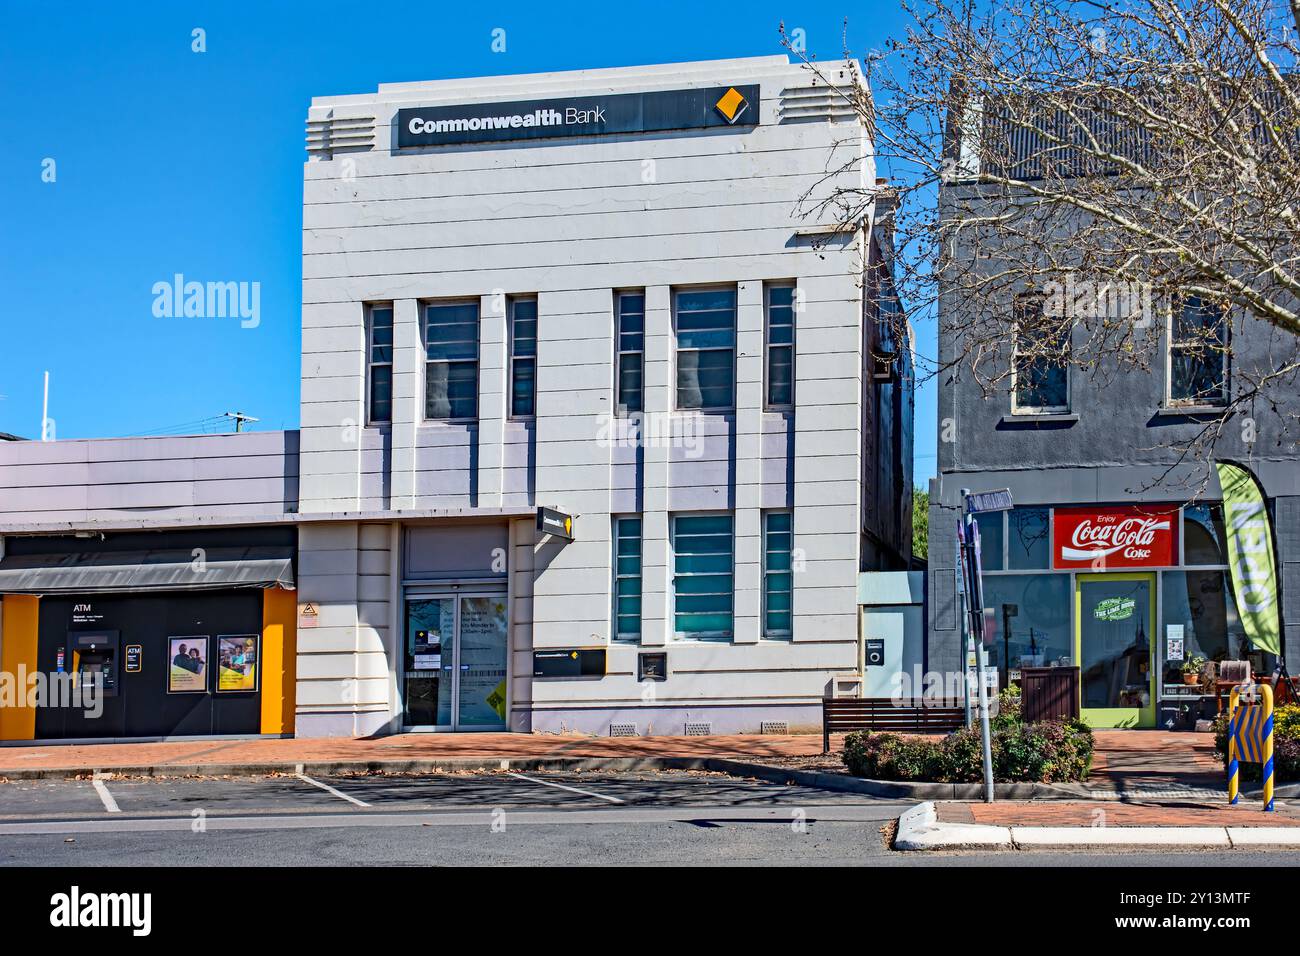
<point x="1040" y="372"/>
<point x="706" y="348"/>
<point x="380" y="332"/>
<point x="703" y="577"/>
<point x="780" y="346"/>
<point x="631" y="352"/>
<point x="523" y="357"/>
<point x="627" y="579"/>
<point x="778" y="585"/>
<point x="1198" y="341"/>
<point x="451" y="366"/>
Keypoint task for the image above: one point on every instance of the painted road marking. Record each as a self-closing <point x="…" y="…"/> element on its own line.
<point x="110" y="804"/>
<point x="328" y="789"/>
<point x="626" y="815"/>
<point x="560" y="786"/>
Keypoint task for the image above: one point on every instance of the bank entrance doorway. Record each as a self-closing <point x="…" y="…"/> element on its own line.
<point x="1114" y="618"/>
<point x="456" y="661"/>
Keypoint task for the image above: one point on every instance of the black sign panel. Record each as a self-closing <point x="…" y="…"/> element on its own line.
<point x="550" y="521"/>
<point x="134" y="658"/>
<point x="570" y="662"/>
<point x="717" y="106"/>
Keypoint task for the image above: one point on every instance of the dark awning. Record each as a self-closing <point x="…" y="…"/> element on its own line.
<point x="132" y="572"/>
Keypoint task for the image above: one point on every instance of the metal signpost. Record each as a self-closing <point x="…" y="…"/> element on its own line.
<point x="968" y="535"/>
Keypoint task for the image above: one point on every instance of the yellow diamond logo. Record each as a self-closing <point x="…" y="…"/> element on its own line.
<point x="731" y="105"/>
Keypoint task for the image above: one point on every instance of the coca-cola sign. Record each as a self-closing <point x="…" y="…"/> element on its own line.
<point x="1139" y="536"/>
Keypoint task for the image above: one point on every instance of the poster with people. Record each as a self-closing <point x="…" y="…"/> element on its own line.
<point x="188" y="664"/>
<point x="237" y="662"/>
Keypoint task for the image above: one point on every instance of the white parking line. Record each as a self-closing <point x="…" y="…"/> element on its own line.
<point x="560" y="786"/>
<point x="328" y="789"/>
<point x="110" y="804"/>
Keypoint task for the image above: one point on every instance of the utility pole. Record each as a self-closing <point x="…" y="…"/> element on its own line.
<point x="239" y="419"/>
<point x="45" y="410"/>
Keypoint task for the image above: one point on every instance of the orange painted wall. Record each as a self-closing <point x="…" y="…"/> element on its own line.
<point x="18" y="616"/>
<point x="279" y="658"/>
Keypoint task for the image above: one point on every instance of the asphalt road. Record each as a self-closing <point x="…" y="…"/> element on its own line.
<point x="668" y="818"/>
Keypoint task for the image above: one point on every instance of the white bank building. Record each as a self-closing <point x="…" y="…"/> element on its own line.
<point x="599" y="429"/>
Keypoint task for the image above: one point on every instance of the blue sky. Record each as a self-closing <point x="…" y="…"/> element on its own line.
<point x="169" y="161"/>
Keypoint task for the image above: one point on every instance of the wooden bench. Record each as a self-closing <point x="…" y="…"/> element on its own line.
<point x="846" y="714"/>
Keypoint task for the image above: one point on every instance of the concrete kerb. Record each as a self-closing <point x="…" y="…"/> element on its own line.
<point x="919" y="829"/>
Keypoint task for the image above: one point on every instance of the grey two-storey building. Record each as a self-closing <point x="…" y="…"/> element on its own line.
<point x="1113" y="558"/>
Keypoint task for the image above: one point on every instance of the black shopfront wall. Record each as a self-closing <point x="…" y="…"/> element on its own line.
<point x="142" y="707"/>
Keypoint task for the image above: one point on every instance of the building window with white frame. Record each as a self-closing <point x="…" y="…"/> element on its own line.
<point x="379" y="332"/>
<point x="780" y="346"/>
<point x="627" y="578"/>
<point x="705" y="325"/>
<point x="703" y="576"/>
<point x="778" y="581"/>
<point x="1198" y="351"/>
<point x="630" y="339"/>
<point x="523" y="357"/>
<point x="1040" y="370"/>
<point x="451" y="332"/>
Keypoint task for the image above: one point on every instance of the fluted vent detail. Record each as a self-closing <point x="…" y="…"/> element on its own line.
<point x="817" y="104"/>
<point x="330" y="132"/>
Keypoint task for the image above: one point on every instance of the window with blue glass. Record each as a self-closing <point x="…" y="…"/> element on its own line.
<point x="780" y="346"/>
<point x="706" y="348"/>
<point x="1028" y="539"/>
<point x="631" y="352"/>
<point x="778" y="585"/>
<point x="380" y="329"/>
<point x="703" y="577"/>
<point x="627" y="579"/>
<point x="991" y="539"/>
<point x="523" y="357"/>
<point x="451" y="360"/>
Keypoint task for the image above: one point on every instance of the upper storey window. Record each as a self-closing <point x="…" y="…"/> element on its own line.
<point x="705" y="322"/>
<point x="451" y="361"/>
<point x="379" y="332"/>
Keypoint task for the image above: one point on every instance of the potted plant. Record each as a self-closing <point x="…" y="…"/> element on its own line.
<point x="1192" y="670"/>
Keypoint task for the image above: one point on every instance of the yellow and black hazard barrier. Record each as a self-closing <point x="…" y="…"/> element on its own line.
<point x="1250" y="736"/>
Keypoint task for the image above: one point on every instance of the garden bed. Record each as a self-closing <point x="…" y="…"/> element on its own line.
<point x="1052" y="751"/>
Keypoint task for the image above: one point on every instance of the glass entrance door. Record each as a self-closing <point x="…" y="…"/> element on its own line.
<point x="455" y="667"/>
<point x="1114" y="626"/>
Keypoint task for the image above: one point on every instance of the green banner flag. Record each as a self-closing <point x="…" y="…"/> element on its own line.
<point x="1250" y="556"/>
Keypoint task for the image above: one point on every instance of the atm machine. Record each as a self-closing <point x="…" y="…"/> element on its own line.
<point x="95" y="656"/>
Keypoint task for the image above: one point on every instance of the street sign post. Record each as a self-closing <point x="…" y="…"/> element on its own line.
<point x="969" y="537"/>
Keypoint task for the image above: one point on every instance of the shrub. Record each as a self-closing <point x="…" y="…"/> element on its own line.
<point x="1008" y="709"/>
<point x="1053" y="751"/>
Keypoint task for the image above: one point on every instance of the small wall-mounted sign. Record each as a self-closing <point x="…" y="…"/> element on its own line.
<point x="308" y="615"/>
<point x="875" y="652"/>
<point x="553" y="522"/>
<point x="570" y="662"/>
<point x="134" y="658"/>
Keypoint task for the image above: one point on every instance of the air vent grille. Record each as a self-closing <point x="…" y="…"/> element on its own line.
<point x="698" y="728"/>
<point x="811" y="104"/>
<point x="774" y="727"/>
<point x="328" y="134"/>
<point x="622" y="730"/>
